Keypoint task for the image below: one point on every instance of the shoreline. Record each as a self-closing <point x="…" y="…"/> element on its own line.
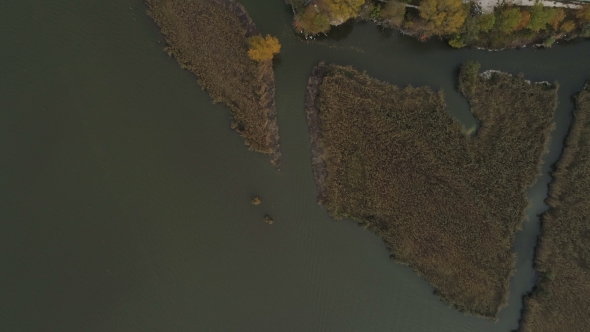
<point x="318" y="164"/>
<point x="492" y="39"/>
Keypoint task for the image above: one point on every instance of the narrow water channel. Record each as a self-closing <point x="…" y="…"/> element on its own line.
<point x="125" y="197"/>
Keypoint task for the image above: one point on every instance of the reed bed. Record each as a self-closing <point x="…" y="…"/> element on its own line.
<point x="445" y="202"/>
<point x="210" y="39"/>
<point x="561" y="298"/>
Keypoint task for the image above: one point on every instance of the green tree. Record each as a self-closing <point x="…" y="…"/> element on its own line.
<point x="509" y="20"/>
<point x="486" y="22"/>
<point x="540" y="17"/>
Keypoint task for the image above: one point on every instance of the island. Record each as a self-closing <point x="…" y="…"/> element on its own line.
<point x="561" y="298"/>
<point x="445" y="200"/>
<point x="484" y="24"/>
<point x="218" y="42"/>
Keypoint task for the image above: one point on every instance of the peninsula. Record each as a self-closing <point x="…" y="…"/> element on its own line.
<point x="561" y="298"/>
<point x="445" y="201"/>
<point x="218" y="42"/>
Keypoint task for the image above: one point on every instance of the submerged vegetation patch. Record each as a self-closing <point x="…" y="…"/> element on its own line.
<point x="212" y="39"/>
<point x="445" y="202"/>
<point x="561" y="298"/>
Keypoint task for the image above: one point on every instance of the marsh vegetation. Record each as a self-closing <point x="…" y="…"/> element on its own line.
<point x="212" y="39"/>
<point x="561" y="299"/>
<point x="445" y="202"/>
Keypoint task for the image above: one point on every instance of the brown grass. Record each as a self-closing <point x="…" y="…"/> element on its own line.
<point x="561" y="299"/>
<point x="446" y="203"/>
<point x="210" y="39"/>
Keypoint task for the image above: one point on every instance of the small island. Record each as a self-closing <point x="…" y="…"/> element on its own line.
<point x="218" y="42"/>
<point x="561" y="298"/>
<point x="256" y="200"/>
<point x="268" y="220"/>
<point x="484" y="24"/>
<point x="445" y="201"/>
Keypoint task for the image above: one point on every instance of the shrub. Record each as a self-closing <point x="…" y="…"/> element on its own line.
<point x="549" y="42"/>
<point x="457" y="42"/>
<point x="468" y="76"/>
<point x="567" y="26"/>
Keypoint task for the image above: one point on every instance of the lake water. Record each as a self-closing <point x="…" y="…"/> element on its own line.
<point x="125" y="196"/>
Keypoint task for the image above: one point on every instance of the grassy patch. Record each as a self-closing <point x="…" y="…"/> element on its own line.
<point x="210" y="39"/>
<point x="446" y="203"/>
<point x="561" y="298"/>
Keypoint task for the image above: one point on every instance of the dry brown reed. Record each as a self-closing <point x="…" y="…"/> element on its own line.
<point x="210" y="39"/>
<point x="561" y="298"/>
<point x="445" y="203"/>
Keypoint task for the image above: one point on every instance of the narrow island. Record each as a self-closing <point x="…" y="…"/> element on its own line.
<point x="445" y="201"/>
<point x="561" y="298"/>
<point x="487" y="24"/>
<point x="218" y="42"/>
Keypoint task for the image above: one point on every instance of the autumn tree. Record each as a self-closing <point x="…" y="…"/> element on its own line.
<point x="525" y="19"/>
<point x="314" y="22"/>
<point x="443" y="16"/>
<point x="394" y="12"/>
<point x="263" y="48"/>
<point x="567" y="26"/>
<point x="509" y="20"/>
<point x="557" y="18"/>
<point x="342" y="10"/>
<point x="583" y="14"/>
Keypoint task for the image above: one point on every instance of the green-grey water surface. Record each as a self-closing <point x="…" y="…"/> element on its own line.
<point x="125" y="197"/>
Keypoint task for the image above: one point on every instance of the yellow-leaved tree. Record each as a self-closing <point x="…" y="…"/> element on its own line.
<point x="443" y="16"/>
<point x="263" y="48"/>
<point x="342" y="10"/>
